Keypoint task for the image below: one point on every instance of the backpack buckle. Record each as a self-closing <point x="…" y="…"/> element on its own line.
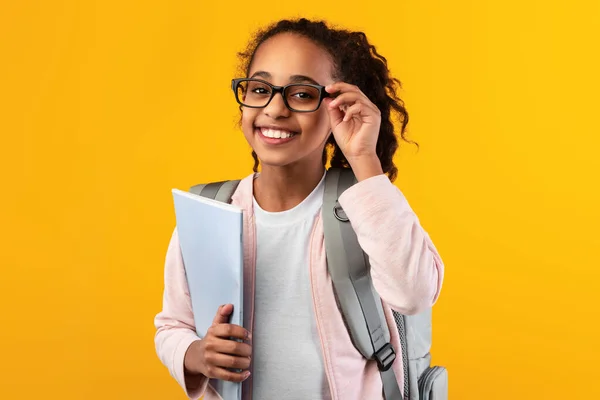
<point x="339" y="213"/>
<point x="385" y="357"/>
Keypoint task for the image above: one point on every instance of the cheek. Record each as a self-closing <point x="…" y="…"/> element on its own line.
<point x="319" y="124"/>
<point x="248" y="118"/>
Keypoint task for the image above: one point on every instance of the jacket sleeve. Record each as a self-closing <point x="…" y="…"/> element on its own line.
<point x="175" y="330"/>
<point x="406" y="268"/>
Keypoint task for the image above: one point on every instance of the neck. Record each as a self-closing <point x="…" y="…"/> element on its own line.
<point x="282" y="188"/>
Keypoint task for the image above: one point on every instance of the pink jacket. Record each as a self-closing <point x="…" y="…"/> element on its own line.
<point x="406" y="269"/>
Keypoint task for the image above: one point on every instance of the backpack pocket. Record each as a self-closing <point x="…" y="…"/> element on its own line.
<point x="433" y="384"/>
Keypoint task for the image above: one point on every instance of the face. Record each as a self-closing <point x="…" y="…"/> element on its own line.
<point x="281" y="60"/>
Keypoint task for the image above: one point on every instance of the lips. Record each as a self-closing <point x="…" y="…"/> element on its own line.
<point x="275" y="135"/>
<point x="274" y="129"/>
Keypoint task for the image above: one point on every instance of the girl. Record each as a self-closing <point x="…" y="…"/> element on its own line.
<point x="310" y="95"/>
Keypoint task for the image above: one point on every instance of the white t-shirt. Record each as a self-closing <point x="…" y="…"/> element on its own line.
<point x="286" y="351"/>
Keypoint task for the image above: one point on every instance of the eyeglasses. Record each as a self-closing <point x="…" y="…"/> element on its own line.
<point x="298" y="97"/>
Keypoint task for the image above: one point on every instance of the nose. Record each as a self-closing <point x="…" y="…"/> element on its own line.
<point x="276" y="107"/>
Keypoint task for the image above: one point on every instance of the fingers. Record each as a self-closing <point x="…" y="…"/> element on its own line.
<point x="226" y="375"/>
<point x="223" y="357"/>
<point x="341" y="87"/>
<point x="353" y="111"/>
<point x="228" y="361"/>
<point x="348" y="98"/>
<point x="353" y="105"/>
<point x="226" y="346"/>
<point x="227" y="331"/>
<point x="223" y="314"/>
<point x="335" y="114"/>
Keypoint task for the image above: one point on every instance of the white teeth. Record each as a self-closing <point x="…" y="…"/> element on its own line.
<point x="276" y="134"/>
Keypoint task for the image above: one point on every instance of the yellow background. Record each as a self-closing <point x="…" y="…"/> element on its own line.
<point x="107" y="105"/>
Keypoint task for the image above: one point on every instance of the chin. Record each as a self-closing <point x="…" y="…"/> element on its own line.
<point x="273" y="160"/>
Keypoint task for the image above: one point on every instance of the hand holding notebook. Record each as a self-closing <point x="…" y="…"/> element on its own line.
<point x="216" y="354"/>
<point x="210" y="236"/>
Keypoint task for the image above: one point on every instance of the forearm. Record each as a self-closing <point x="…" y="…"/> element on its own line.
<point x="365" y="167"/>
<point x="175" y="330"/>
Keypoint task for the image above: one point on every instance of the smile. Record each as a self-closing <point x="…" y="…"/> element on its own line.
<point x="275" y="136"/>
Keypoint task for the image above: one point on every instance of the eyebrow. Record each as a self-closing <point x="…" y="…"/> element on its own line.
<point x="293" y="78"/>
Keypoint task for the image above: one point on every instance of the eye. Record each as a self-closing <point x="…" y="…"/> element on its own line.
<point x="260" y="90"/>
<point x="303" y="95"/>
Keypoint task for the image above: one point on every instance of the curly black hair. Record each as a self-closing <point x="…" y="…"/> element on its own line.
<point x="357" y="62"/>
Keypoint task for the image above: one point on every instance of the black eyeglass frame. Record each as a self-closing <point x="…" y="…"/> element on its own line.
<point x="279" y="89"/>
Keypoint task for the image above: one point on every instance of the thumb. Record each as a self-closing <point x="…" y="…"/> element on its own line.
<point x="223" y="314"/>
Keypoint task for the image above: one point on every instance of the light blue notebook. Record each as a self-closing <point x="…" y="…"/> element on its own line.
<point x="210" y="235"/>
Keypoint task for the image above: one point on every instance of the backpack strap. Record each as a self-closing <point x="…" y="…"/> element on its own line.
<point x="220" y="191"/>
<point x="349" y="269"/>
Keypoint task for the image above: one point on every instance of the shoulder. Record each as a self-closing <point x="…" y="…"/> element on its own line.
<point x="243" y="194"/>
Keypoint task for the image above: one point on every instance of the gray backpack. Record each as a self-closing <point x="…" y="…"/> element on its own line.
<point x="359" y="302"/>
